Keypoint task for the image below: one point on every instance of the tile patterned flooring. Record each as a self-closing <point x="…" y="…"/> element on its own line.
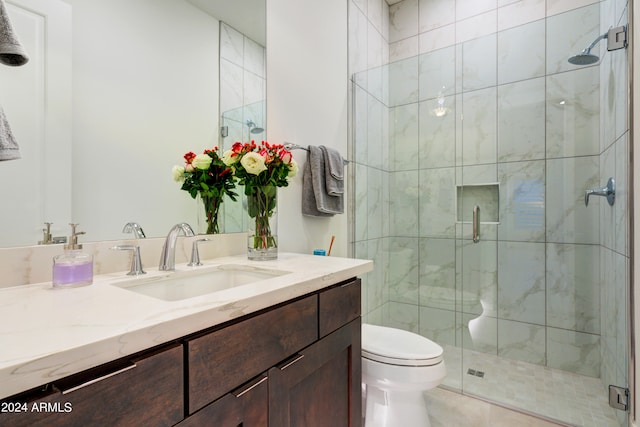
<point x="450" y="409"/>
<point x="576" y="400"/>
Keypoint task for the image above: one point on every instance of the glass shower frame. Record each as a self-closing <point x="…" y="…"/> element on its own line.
<point x="430" y="277"/>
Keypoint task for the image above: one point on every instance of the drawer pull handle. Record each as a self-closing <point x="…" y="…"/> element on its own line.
<point x="252" y="386"/>
<point x="291" y="362"/>
<point x="96" y="380"/>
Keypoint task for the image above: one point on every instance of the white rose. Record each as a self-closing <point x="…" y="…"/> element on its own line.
<point x="202" y="161"/>
<point x="293" y="169"/>
<point x="253" y="163"/>
<point x="178" y="173"/>
<point x="228" y="158"/>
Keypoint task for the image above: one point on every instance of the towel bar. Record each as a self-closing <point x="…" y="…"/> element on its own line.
<point x="292" y="146"/>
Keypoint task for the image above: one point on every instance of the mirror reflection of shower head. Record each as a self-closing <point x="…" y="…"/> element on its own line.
<point x="586" y="57"/>
<point x="253" y="128"/>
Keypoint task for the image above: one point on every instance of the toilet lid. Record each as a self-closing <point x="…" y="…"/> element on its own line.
<point x="398" y="347"/>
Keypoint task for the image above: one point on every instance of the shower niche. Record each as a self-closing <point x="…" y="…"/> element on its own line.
<point x="486" y="196"/>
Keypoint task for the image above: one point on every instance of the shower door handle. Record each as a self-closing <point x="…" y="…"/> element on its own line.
<point x="609" y="192"/>
<point x="476" y="224"/>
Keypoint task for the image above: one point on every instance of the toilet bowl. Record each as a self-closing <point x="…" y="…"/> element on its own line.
<point x="397" y="367"/>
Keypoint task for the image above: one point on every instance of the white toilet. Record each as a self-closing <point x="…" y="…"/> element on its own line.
<point x="397" y="367"/>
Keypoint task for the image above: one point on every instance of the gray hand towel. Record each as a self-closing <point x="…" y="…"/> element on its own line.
<point x="334" y="171"/>
<point x="325" y="203"/>
<point x="8" y="145"/>
<point x="309" y="205"/>
<point x="11" y="51"/>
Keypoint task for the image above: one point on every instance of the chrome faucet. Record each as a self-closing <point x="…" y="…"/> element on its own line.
<point x="134" y="227"/>
<point x="168" y="257"/>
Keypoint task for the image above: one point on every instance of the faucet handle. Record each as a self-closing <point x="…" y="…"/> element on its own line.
<point x="609" y="191"/>
<point x="195" y="254"/>
<point x="73" y="239"/>
<point x="46" y="234"/>
<point x="136" y="261"/>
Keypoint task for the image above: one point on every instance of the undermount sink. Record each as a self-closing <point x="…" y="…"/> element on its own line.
<point x="182" y="285"/>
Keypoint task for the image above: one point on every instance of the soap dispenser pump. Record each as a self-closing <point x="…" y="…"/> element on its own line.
<point x="73" y="267"/>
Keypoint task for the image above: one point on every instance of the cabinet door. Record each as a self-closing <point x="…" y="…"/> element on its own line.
<point x="145" y="391"/>
<point x="321" y="386"/>
<point x="246" y="406"/>
<point x="224" y="359"/>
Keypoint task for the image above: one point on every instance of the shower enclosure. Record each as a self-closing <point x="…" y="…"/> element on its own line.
<point x="474" y="147"/>
<point x="242" y="107"/>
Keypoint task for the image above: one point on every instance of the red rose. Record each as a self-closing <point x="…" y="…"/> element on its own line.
<point x="285" y="156"/>
<point x="237" y="148"/>
<point x="189" y="157"/>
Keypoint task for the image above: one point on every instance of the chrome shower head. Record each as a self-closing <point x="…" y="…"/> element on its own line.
<point x="586" y="57"/>
<point x="253" y="128"/>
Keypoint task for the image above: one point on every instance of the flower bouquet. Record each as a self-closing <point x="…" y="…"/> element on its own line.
<point x="261" y="169"/>
<point x="209" y="177"/>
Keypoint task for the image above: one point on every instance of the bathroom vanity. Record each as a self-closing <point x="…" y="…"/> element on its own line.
<point x="283" y="351"/>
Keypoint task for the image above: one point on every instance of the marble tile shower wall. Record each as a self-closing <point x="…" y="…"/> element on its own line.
<point x="242" y="81"/>
<point x="242" y="98"/>
<point x="546" y="284"/>
<point x="368" y="52"/>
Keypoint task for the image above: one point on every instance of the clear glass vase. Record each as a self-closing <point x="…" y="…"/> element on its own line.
<point x="262" y="240"/>
<point x="208" y="210"/>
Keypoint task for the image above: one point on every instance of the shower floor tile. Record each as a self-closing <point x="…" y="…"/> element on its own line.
<point x="450" y="409"/>
<point x="559" y="395"/>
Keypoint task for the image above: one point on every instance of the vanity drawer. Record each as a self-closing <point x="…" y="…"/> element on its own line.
<point x="247" y="406"/>
<point x="339" y="306"/>
<point x="224" y="359"/>
<point x="146" y="390"/>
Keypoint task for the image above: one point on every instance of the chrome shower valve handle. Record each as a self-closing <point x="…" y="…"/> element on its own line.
<point x="609" y="192"/>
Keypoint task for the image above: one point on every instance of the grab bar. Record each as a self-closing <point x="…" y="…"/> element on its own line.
<point x="476" y="224"/>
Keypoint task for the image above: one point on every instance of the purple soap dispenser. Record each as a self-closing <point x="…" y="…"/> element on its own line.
<point x="73" y="267"/>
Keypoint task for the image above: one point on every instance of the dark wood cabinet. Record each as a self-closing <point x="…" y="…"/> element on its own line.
<point x="310" y="351"/>
<point x="322" y="385"/>
<point x="246" y="406"/>
<point x="338" y="306"/>
<point x="224" y="359"/>
<point x="295" y="364"/>
<point x="144" y="390"/>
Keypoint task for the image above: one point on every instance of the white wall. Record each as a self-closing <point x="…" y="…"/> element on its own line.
<point x="36" y="99"/>
<point x="307" y="104"/>
<point x="145" y="85"/>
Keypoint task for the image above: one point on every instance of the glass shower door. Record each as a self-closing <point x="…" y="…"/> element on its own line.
<point x="499" y="129"/>
<point x="541" y="284"/>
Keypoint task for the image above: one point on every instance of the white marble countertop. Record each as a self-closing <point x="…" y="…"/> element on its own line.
<point x="47" y="333"/>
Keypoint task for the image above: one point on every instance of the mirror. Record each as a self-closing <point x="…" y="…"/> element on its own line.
<point x="114" y="94"/>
